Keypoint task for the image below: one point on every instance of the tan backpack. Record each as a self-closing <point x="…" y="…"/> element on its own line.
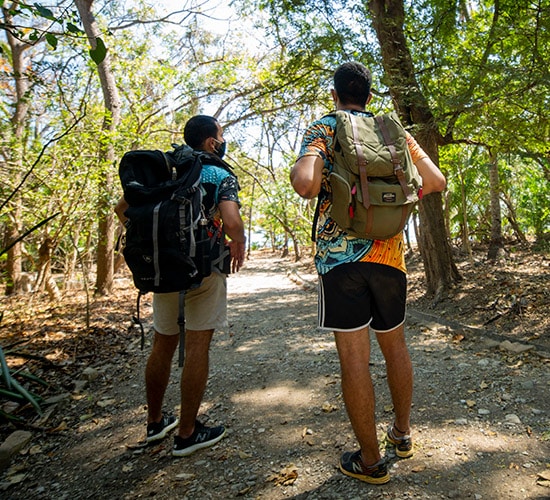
<point x="374" y="182"/>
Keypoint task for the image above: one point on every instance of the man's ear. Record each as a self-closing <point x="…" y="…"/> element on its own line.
<point x="209" y="145"/>
<point x="369" y="99"/>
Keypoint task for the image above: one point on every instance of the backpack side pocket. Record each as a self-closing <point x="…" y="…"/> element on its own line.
<point x="342" y="208"/>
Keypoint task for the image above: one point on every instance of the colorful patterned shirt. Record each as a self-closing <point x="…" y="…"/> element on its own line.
<point x="218" y="185"/>
<point x="335" y="246"/>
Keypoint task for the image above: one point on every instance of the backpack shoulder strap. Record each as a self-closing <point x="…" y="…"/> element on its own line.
<point x="315" y="219"/>
<point x="215" y="160"/>
<point x="169" y="166"/>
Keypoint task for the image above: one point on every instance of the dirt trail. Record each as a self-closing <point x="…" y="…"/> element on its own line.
<point x="481" y="414"/>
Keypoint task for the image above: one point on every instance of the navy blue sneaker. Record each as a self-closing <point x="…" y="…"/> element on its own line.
<point x="202" y="437"/>
<point x="158" y="430"/>
<point x="351" y="464"/>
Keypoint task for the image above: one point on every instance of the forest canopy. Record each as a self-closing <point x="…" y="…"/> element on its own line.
<point x="83" y="82"/>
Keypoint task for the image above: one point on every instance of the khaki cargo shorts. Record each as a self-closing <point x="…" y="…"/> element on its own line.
<point x="205" y="307"/>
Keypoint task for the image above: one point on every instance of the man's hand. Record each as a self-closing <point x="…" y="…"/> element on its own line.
<point x="237" y="250"/>
<point x="234" y="228"/>
<point x="120" y="208"/>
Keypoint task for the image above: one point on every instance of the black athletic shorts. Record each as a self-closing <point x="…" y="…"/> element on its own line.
<point x="359" y="294"/>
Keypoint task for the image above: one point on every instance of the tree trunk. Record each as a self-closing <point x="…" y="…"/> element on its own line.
<point x="44" y="278"/>
<point x="21" y="66"/>
<point x="520" y="235"/>
<point x="71" y="259"/>
<point x="413" y="109"/>
<point x="297" y="249"/>
<point x="250" y="218"/>
<point x="14" y="257"/>
<point x="466" y="246"/>
<point x="496" y="243"/>
<point x="106" y="224"/>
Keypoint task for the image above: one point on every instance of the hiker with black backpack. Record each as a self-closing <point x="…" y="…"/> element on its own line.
<point x="204" y="291"/>
<point x="362" y="280"/>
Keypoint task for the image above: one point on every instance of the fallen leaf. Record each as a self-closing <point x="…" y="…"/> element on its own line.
<point x="328" y="407"/>
<point x="61" y="427"/>
<point x="137" y="446"/>
<point x="106" y="402"/>
<point x="285" y="477"/>
<point x="17" y="478"/>
<point x="184" y="476"/>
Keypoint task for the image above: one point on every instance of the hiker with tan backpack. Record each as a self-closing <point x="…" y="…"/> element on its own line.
<point x="365" y="170"/>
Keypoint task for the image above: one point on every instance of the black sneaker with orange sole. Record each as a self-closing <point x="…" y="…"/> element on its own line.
<point x="351" y="464"/>
<point x="403" y="444"/>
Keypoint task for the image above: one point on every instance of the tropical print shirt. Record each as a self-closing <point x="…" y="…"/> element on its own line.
<point x="334" y="246"/>
<point x="218" y="185"/>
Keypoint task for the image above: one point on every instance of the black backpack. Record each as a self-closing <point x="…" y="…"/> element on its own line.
<point x="167" y="246"/>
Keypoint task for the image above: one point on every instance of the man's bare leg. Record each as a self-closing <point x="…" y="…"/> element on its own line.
<point x="358" y="391"/>
<point x="400" y="375"/>
<point x="157" y="373"/>
<point x="194" y="377"/>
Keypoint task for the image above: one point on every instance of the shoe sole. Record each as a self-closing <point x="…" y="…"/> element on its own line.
<point x="366" y="479"/>
<point x="192" y="449"/>
<point x="404" y="454"/>
<point x="398" y="452"/>
<point x="162" y="434"/>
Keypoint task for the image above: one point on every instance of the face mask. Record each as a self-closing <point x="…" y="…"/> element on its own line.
<point x="220" y="150"/>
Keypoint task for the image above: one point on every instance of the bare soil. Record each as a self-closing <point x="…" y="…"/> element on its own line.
<point x="481" y="410"/>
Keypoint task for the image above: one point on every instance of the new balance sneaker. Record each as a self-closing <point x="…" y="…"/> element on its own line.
<point x="403" y="444"/>
<point x="202" y="437"/>
<point x="158" y="430"/>
<point x="351" y="464"/>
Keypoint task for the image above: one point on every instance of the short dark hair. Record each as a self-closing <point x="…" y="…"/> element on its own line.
<point x="198" y="129"/>
<point x="352" y="82"/>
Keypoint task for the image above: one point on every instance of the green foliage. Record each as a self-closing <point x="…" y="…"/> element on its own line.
<point x="33" y="22"/>
<point x="11" y="389"/>
<point x="531" y="192"/>
<point x="485" y="77"/>
<point x="99" y="52"/>
<point x="522" y="185"/>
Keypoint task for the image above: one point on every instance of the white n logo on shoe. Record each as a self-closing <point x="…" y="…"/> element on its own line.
<point x="357" y="468"/>
<point x="202" y="437"/>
